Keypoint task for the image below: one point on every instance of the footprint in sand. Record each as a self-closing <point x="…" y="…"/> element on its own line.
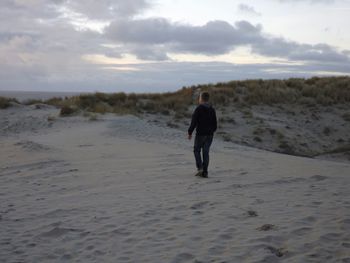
<point x="216" y="250"/>
<point x="266" y="227"/>
<point x="58" y="231"/>
<point x="123" y="258"/>
<point x="258" y="201"/>
<point x="31" y="245"/>
<point x="331" y="237"/>
<point x="279" y="252"/>
<point x="89" y="247"/>
<point x="318" y="177"/>
<point x="199" y="205"/>
<point x="98" y="253"/>
<point x="85" y="145"/>
<point x="182" y="257"/>
<point x="225" y="236"/>
<point x="308" y="219"/>
<point x="66" y="257"/>
<point x="345" y="221"/>
<point x="198" y="212"/>
<point x="252" y="213"/>
<point x="301" y="231"/>
<point x="120" y="231"/>
<point x="347" y="245"/>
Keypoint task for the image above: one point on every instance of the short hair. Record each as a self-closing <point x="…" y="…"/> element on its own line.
<point x="205" y="96"/>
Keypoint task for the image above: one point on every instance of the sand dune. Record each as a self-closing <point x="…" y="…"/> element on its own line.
<point x="122" y="190"/>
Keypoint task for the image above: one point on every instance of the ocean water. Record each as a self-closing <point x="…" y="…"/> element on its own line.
<point x="28" y="95"/>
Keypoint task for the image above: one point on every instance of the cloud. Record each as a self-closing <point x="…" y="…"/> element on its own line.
<point x="105" y="9"/>
<point x="248" y="9"/>
<point x="280" y="47"/>
<point x="38" y="47"/>
<point x="214" y="38"/>
<point x="152" y="54"/>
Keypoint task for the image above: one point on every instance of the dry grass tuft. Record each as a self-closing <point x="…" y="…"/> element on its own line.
<point x="6" y="102"/>
<point x="67" y="111"/>
<point x="314" y="91"/>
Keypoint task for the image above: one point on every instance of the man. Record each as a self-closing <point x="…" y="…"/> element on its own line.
<point x="204" y="120"/>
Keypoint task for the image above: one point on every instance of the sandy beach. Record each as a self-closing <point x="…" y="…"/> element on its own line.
<point x="121" y="189"/>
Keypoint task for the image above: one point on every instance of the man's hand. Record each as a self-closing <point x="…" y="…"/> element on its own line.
<point x="189" y="136"/>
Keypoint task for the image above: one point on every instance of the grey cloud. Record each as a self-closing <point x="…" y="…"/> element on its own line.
<point x="150" y="53"/>
<point x="279" y="47"/>
<point x="320" y="52"/>
<point x="6" y="36"/>
<point x="34" y="52"/>
<point x="216" y="37"/>
<point x="29" y="9"/>
<point x="53" y="9"/>
<point x="248" y="9"/>
<point x="113" y="54"/>
<point x="105" y="9"/>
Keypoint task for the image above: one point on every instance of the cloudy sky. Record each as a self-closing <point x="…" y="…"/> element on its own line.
<point x="162" y="45"/>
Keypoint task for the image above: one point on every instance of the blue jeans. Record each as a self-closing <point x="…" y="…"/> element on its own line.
<point x="202" y="143"/>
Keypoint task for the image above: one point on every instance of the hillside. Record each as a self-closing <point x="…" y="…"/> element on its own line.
<point x="304" y="117"/>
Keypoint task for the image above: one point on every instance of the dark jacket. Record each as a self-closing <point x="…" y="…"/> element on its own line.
<point x="204" y="120"/>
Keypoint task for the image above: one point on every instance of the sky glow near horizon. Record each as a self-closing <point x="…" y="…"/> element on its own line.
<point x="162" y="45"/>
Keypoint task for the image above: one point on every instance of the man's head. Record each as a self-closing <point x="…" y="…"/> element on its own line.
<point x="204" y="97"/>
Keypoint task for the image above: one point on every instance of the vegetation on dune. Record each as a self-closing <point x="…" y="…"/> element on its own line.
<point x="68" y="111"/>
<point x="32" y="102"/>
<point x="345" y="149"/>
<point x="122" y="103"/>
<point x="6" y="102"/>
<point x="310" y="92"/>
<point x="324" y="91"/>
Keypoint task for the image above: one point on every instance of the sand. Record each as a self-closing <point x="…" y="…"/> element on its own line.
<point x="122" y="189"/>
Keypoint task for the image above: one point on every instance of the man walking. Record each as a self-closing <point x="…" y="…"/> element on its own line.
<point x="204" y="120"/>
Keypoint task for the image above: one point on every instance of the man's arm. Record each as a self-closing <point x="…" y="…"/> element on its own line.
<point x="215" y="121"/>
<point x="194" y="122"/>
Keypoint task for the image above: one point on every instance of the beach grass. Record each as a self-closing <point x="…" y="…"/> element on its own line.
<point x="6" y="102"/>
<point x="316" y="91"/>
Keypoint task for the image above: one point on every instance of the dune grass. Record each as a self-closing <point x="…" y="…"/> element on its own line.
<point x="6" y="102"/>
<point x="315" y="91"/>
<point x="323" y="91"/>
<point x="122" y="103"/>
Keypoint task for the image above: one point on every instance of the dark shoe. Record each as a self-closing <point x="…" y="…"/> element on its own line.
<point x="199" y="173"/>
<point x="204" y="174"/>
